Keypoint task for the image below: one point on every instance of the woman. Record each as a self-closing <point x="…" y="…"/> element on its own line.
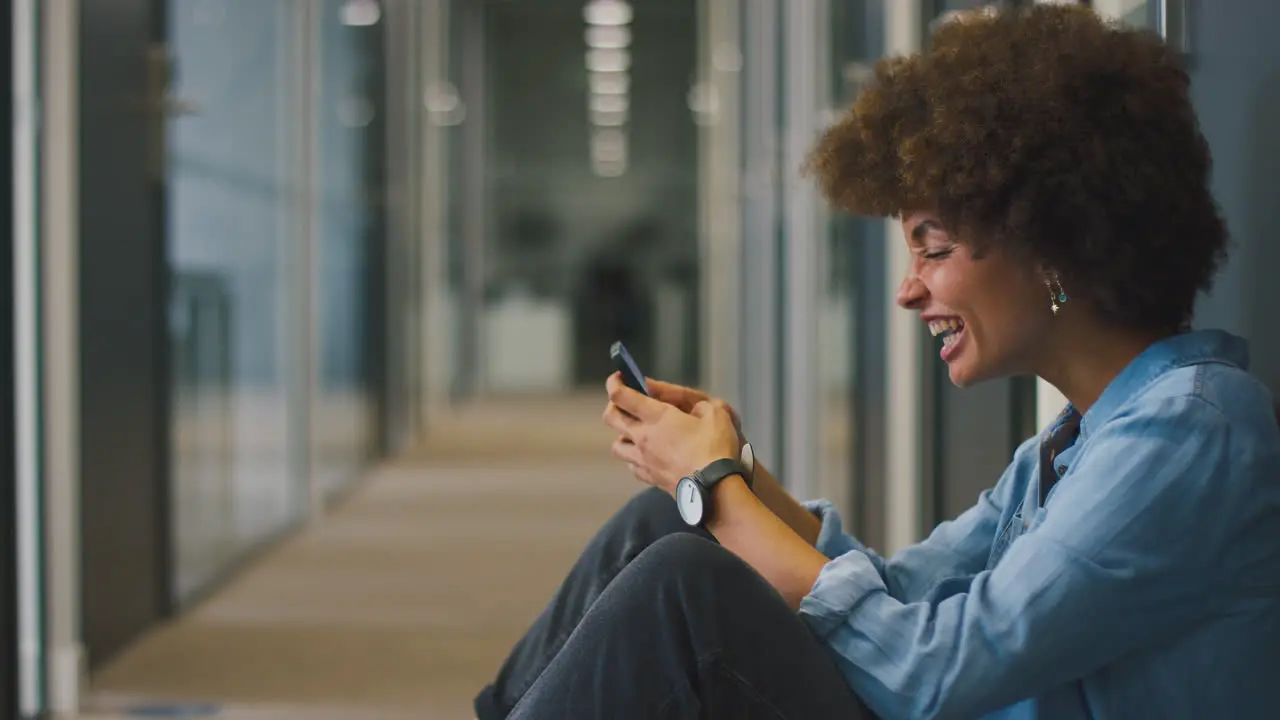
<point x="1052" y="184"/>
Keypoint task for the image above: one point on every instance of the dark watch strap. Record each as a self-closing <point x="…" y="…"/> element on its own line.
<point x="719" y="470"/>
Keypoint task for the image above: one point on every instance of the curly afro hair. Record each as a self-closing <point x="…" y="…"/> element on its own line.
<point x="1052" y="134"/>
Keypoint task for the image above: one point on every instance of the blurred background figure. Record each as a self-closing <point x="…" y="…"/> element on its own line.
<point x="313" y="302"/>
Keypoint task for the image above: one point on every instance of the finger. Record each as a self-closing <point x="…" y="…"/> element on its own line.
<point x="620" y="421"/>
<point x="626" y="451"/>
<point x="613" y="385"/>
<point x="642" y="474"/>
<point x="676" y="395"/>
<point x="703" y="409"/>
<point x="636" y="404"/>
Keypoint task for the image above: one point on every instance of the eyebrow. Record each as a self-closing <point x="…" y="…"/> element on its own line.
<point x="924" y="226"/>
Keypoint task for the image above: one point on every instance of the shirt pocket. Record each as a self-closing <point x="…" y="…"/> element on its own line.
<point x="1012" y="530"/>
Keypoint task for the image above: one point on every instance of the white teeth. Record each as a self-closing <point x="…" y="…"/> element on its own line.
<point x="952" y="325"/>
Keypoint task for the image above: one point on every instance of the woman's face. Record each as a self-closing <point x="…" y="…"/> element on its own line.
<point x="990" y="316"/>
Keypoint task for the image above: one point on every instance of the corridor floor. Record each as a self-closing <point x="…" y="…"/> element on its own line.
<point x="403" y="599"/>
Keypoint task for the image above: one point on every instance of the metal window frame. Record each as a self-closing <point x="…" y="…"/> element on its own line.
<point x="760" y="390"/>
<point x="801" y="399"/>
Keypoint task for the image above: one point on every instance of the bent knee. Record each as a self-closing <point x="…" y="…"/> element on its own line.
<point x="687" y="554"/>
<point x="648" y="515"/>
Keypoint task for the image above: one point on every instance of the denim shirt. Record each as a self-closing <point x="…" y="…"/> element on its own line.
<point x="1147" y="585"/>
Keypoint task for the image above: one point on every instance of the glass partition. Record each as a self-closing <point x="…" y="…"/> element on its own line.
<point x="349" y="116"/>
<point x="232" y="246"/>
<point x="856" y="42"/>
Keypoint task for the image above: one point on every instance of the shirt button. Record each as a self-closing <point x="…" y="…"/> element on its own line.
<point x="1062" y="469"/>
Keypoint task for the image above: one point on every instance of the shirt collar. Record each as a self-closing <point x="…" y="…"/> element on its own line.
<point x="1181" y="350"/>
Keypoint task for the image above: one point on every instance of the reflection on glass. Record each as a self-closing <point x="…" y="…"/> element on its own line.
<point x="856" y="42"/>
<point x="347" y="226"/>
<point x="1130" y="12"/>
<point x="230" y="244"/>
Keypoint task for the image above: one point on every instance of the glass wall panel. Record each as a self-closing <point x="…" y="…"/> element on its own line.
<point x="232" y="238"/>
<point x="1139" y="13"/>
<point x="856" y="42"/>
<point x="22" y="566"/>
<point x="349" y="117"/>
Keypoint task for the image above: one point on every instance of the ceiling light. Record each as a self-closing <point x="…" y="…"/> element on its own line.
<point x="609" y="145"/>
<point x="601" y="60"/>
<point x="726" y="58"/>
<point x="609" y="83"/>
<point x="609" y="169"/>
<point x="607" y="12"/>
<point x="703" y="98"/>
<point x="609" y="103"/>
<point x="608" y="36"/>
<point x="443" y="105"/>
<point x="608" y="119"/>
<point x="609" y="137"/>
<point x="361" y="13"/>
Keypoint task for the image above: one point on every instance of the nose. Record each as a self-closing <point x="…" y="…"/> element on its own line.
<point x="911" y="293"/>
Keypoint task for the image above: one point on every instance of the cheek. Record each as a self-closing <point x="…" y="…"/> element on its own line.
<point x="948" y="288"/>
<point x="1013" y="321"/>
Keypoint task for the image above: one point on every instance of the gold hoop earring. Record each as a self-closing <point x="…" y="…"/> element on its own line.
<point x="1058" y="297"/>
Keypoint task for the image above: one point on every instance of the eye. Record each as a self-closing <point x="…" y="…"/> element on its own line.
<point x="936" y="254"/>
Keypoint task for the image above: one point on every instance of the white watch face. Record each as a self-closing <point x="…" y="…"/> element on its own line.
<point x="748" y="459"/>
<point x="689" y="501"/>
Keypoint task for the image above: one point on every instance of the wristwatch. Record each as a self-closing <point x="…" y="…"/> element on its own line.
<point x="693" y="493"/>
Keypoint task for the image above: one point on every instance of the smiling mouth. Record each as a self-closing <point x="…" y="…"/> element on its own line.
<point x="948" y="329"/>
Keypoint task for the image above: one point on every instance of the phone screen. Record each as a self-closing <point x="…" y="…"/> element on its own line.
<point x="631" y="374"/>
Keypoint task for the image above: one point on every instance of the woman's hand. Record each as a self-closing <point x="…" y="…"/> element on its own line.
<point x="660" y="441"/>
<point x="686" y="398"/>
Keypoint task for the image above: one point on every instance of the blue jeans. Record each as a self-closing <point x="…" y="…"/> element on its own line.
<point x="657" y="620"/>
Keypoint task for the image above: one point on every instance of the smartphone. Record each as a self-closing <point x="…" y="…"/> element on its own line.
<point x="626" y="365"/>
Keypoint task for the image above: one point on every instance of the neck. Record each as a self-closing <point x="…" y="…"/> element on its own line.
<point x="1084" y="358"/>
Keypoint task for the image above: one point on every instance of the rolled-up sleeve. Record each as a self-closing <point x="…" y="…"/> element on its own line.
<point x="840" y="585"/>
<point x="1111" y="568"/>
<point x="832" y="539"/>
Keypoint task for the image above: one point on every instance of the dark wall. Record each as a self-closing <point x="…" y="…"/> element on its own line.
<point x="122" y="452"/>
<point x="1236" y="87"/>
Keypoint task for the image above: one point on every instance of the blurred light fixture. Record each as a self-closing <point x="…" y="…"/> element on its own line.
<point x="726" y="57"/>
<point x="608" y="36"/>
<point x="608" y="118"/>
<point x="609" y="145"/>
<point x="609" y="137"/>
<point x="704" y="103"/>
<point x="609" y="103"/>
<point x="612" y="60"/>
<point x="444" y="107"/>
<point x="361" y="13"/>
<point x="607" y="12"/>
<point x="609" y="83"/>
<point x="609" y="169"/>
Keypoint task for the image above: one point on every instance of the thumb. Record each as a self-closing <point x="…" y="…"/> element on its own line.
<point x="702" y="409"/>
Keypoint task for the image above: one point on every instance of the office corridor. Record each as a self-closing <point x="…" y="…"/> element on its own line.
<point x="404" y="598"/>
